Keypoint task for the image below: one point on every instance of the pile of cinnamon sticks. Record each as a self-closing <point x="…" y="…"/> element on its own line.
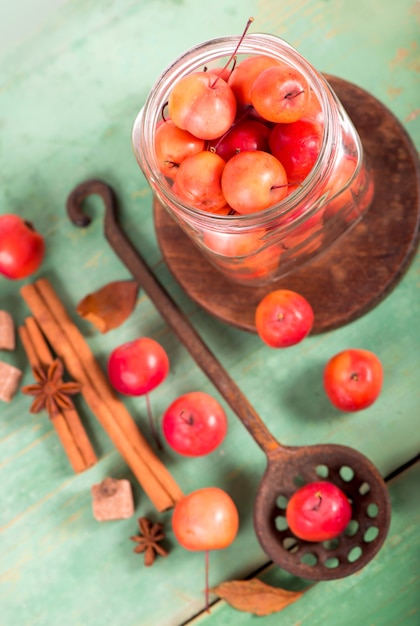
<point x="69" y="345"/>
<point x="67" y="423"/>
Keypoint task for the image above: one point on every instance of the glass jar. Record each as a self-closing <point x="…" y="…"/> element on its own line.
<point x="261" y="247"/>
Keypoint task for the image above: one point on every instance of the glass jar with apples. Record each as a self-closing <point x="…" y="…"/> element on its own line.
<point x="249" y="149"/>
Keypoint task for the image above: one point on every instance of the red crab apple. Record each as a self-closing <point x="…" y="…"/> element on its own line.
<point x="198" y="181"/>
<point x="253" y="181"/>
<point x="244" y="74"/>
<point x="283" y="318"/>
<point x="280" y="94"/>
<point x="353" y="379"/>
<point x="243" y="136"/>
<point x="173" y="145"/>
<point x="318" y="511"/>
<point x="206" y="519"/>
<point x="252" y="258"/>
<point x="194" y="424"/>
<point x="22" y="248"/>
<point x="351" y="192"/>
<point x="202" y="104"/>
<point x="296" y="146"/>
<point x="314" y="110"/>
<point x="137" y="367"/>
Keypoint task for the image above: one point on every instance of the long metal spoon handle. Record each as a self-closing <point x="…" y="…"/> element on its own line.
<point x="169" y="310"/>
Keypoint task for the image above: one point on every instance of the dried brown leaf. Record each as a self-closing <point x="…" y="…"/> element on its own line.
<point x="109" y="306"/>
<point x="255" y="596"/>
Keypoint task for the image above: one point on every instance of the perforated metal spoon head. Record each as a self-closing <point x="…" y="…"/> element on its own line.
<point x="290" y="468"/>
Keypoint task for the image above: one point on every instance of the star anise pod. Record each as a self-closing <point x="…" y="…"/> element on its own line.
<point x="148" y="540"/>
<point x="50" y="392"/>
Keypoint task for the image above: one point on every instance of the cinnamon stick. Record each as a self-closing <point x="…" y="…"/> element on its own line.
<point x="71" y="346"/>
<point x="67" y="423"/>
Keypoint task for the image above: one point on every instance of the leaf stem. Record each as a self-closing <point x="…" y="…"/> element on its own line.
<point x="207" y="563"/>
<point x="152" y="424"/>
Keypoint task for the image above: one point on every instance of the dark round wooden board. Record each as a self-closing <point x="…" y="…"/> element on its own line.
<point x="353" y="275"/>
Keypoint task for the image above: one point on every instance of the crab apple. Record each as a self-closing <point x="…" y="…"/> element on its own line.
<point x="253" y="258"/>
<point x="296" y="146"/>
<point x="318" y="511"/>
<point x="353" y="379"/>
<point x="243" y="136"/>
<point x="233" y="244"/>
<point x="342" y="177"/>
<point x="313" y="111"/>
<point x="202" y="104"/>
<point x="307" y="236"/>
<point x="22" y="248"/>
<point x="244" y="74"/>
<point x="206" y="519"/>
<point x="194" y="424"/>
<point x="283" y="318"/>
<point x="260" y="265"/>
<point x="350" y="190"/>
<point x="137" y="367"/>
<point x="173" y="145"/>
<point x="253" y="181"/>
<point x="198" y="181"/>
<point x="280" y="94"/>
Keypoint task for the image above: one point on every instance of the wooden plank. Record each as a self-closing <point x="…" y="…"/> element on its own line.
<point x="72" y="80"/>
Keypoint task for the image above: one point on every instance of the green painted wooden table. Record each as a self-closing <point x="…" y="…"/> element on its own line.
<point x="73" y="75"/>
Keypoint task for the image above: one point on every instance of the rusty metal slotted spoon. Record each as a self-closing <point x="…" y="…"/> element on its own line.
<point x="288" y="467"/>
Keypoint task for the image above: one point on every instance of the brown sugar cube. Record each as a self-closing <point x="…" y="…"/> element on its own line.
<point x="7" y="331"/>
<point x="9" y="381"/>
<point x="112" y="500"/>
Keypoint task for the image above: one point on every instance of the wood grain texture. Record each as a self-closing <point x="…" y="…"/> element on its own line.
<point x="72" y="79"/>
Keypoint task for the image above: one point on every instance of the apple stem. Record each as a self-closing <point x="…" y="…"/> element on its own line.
<point x="206" y="592"/>
<point x="318" y="504"/>
<point x="293" y="94"/>
<point x="152" y="424"/>
<point x="187" y="419"/>
<point x="240" y="119"/>
<point x="233" y="55"/>
<point x="162" y="111"/>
